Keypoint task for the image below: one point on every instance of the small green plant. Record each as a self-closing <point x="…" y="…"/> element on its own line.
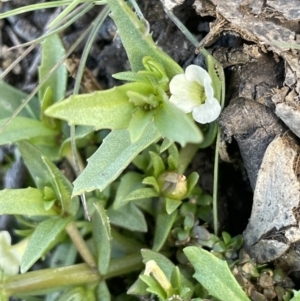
<point x="148" y="124"/>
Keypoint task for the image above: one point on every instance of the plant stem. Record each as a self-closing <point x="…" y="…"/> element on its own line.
<point x="216" y="178"/>
<point x="53" y="279"/>
<point x="80" y="244"/>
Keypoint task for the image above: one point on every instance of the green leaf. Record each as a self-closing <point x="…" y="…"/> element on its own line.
<point x="158" y="164"/>
<point x="28" y="201"/>
<point x="11" y="99"/>
<point x="131" y="188"/>
<point x="22" y="128"/>
<point x="35" y="164"/>
<point x="45" y="236"/>
<point x="173" y="157"/>
<point x="52" y="52"/>
<point x="64" y="254"/>
<point x="142" y="193"/>
<point x="45" y="173"/>
<point x="215" y="76"/>
<point x="138" y="288"/>
<point x="123" y="245"/>
<point x="163" y="226"/>
<point x="226" y="237"/>
<point x="113" y="156"/>
<point x="47" y="102"/>
<point x="129" y="182"/>
<point x="172" y="205"/>
<point x="154" y="287"/>
<point x="176" y="126"/>
<point x="82" y="135"/>
<point x="61" y="184"/>
<point x="102" y="238"/>
<point x="74" y="294"/>
<point x="151" y="181"/>
<point x="137" y="39"/>
<point x="214" y="275"/>
<point x="129" y="217"/>
<point x="192" y="181"/>
<point x="165" y="145"/>
<point x="131" y="77"/>
<point x="102" y="292"/>
<point x="296" y="296"/>
<point x="138" y="123"/>
<point x="108" y="109"/>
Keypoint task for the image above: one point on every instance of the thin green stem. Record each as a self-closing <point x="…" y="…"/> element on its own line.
<point x="81" y="244"/>
<point x="64" y="13"/>
<point x="216" y="181"/>
<point x="54" y="279"/>
<point x="182" y="27"/>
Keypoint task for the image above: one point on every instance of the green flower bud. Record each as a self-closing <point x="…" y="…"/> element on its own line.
<point x="172" y="185"/>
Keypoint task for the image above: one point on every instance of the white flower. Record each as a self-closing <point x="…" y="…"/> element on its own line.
<point x="192" y="92"/>
<point x="10" y="256"/>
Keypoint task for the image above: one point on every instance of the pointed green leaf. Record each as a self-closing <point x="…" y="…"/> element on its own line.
<point x="158" y="164"/>
<point x="152" y="182"/>
<point x="214" y="275"/>
<point x="102" y="238"/>
<point x="47" y="101"/>
<point x="11" y="99"/>
<point x="137" y="39"/>
<point x="192" y="181"/>
<point x="45" y="173"/>
<point x="163" y="226"/>
<point x="154" y="287"/>
<point x="108" y="109"/>
<point x="102" y="292"/>
<point x="167" y="267"/>
<point x="74" y="294"/>
<point x="173" y="157"/>
<point x="22" y="128"/>
<point x="226" y="238"/>
<point x="124" y="245"/>
<point x="129" y="217"/>
<point x="172" y="205"/>
<point x="61" y="185"/>
<point x="131" y="188"/>
<point x="113" y="156"/>
<point x="129" y="182"/>
<point x="131" y="77"/>
<point x="64" y="254"/>
<point x="28" y="201"/>
<point x="138" y="123"/>
<point x="35" y="164"/>
<point x="45" y="236"/>
<point x="52" y="52"/>
<point x="165" y="145"/>
<point x="177" y="126"/>
<point x="142" y="193"/>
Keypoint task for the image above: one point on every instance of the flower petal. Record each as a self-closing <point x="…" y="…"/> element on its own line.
<point x="209" y="91"/>
<point x="9" y="259"/>
<point x="177" y="83"/>
<point x="185" y="95"/>
<point x="198" y="74"/>
<point x="5" y="238"/>
<point x="207" y="112"/>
